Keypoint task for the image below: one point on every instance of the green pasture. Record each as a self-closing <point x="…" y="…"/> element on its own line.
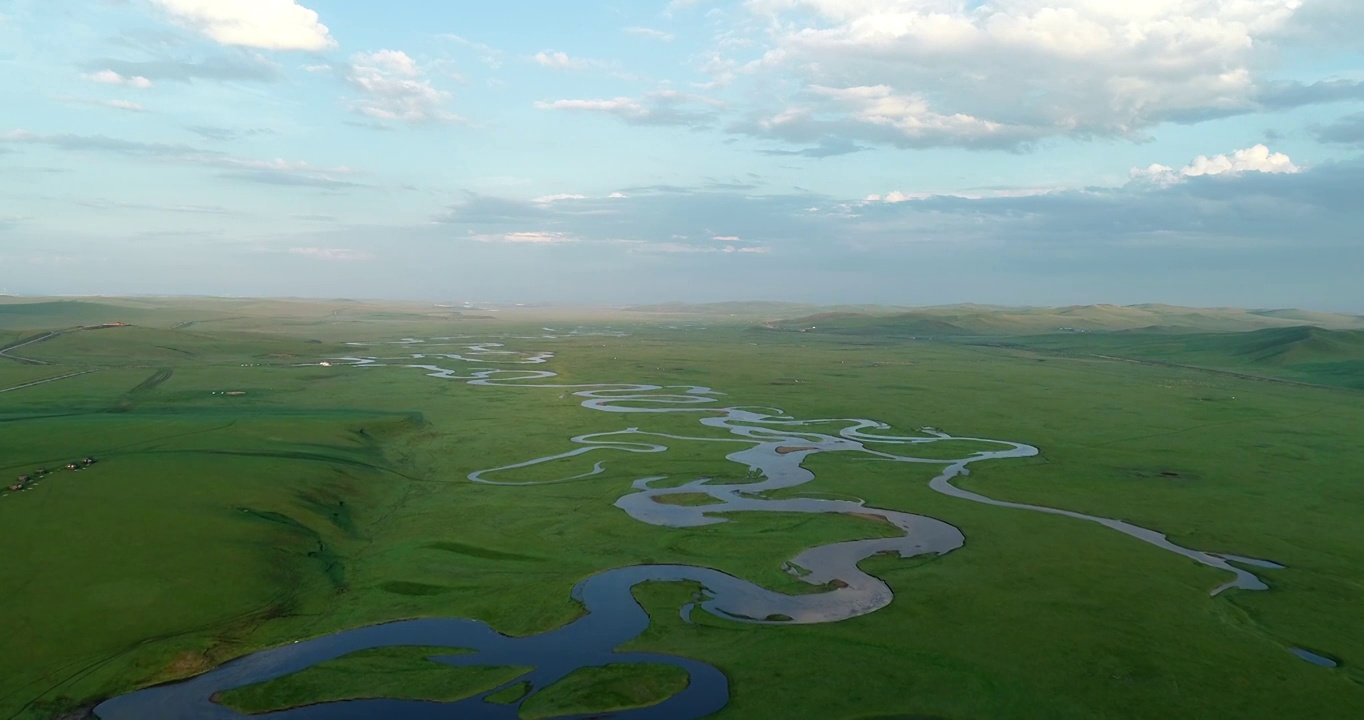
<point x="325" y="498"/>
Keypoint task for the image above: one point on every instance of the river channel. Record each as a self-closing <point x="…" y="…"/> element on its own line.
<point x="768" y="444"/>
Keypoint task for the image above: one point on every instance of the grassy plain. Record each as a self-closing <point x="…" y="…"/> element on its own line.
<point x="326" y="498"/>
<point x="605" y="689"/>
<point x="395" y="673"/>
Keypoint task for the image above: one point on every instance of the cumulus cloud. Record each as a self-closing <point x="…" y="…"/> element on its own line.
<point x="1253" y="159"/>
<point x="332" y="254"/>
<point x="262" y="24"/>
<point x="109" y="77"/>
<point x="1251" y="201"/>
<point x="877" y="113"/>
<point x="1228" y="211"/>
<point x="393" y="87"/>
<point x="1006" y="73"/>
<point x="663" y="107"/>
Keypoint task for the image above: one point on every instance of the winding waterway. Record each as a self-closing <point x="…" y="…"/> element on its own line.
<point x="771" y="447"/>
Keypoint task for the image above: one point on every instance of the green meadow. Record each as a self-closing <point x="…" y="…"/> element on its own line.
<point x="245" y="497"/>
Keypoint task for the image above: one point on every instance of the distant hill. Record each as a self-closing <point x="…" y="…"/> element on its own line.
<point x="62" y="313"/>
<point x="754" y="310"/>
<point x="982" y="320"/>
<point x="1303" y="353"/>
<point x="756" y="307"/>
<point x="889" y="326"/>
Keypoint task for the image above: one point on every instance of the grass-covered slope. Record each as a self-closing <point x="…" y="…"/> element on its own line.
<point x="985" y="320"/>
<point x="326" y="498"/>
<point x="64" y="313"/>
<point x="1303" y="353"/>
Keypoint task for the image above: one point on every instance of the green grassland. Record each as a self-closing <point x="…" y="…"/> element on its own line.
<point x="604" y="689"/>
<point x="326" y="498"/>
<point x="956" y="320"/>
<point x="396" y="673"/>
<point x="1303" y="353"/>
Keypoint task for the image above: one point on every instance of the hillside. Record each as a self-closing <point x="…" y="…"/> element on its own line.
<point x="755" y="310"/>
<point x="63" y="313"/>
<point x="979" y="320"/>
<point x="1301" y="353"/>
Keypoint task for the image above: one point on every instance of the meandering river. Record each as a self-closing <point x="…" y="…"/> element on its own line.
<point x="769" y="445"/>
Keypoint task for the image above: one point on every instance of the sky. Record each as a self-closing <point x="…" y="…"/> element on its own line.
<point x="909" y="152"/>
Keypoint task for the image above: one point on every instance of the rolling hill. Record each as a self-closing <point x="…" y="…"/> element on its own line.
<point x="63" y="313"/>
<point x="1301" y="353"/>
<point x="985" y="320"/>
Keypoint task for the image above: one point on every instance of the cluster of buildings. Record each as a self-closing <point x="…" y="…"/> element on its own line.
<point x="23" y="481"/>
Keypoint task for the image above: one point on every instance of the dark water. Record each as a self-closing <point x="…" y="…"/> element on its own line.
<point x="1314" y="658"/>
<point x="613" y="619"/>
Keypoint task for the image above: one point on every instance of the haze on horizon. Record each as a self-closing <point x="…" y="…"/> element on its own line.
<point x="908" y="152"/>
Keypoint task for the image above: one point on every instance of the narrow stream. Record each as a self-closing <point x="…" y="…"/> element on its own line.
<point x="770" y="445"/>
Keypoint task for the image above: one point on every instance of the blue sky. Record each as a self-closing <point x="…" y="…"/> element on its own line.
<point x="895" y="151"/>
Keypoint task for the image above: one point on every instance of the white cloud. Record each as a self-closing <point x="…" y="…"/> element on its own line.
<point x="877" y="112"/>
<point x="618" y="196"/>
<point x="109" y="77"/>
<point x="650" y="33"/>
<point x="332" y="254"/>
<point x="546" y="199"/>
<point x="895" y="196"/>
<point x="898" y="196"/>
<point x="264" y="24"/>
<point x="662" y="107"/>
<point x="1253" y="159"/>
<point x="726" y="238"/>
<point x="560" y="61"/>
<point x="1006" y="72"/>
<point x="623" y="106"/>
<point x="395" y="88"/>
<point x="527" y="238"/>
